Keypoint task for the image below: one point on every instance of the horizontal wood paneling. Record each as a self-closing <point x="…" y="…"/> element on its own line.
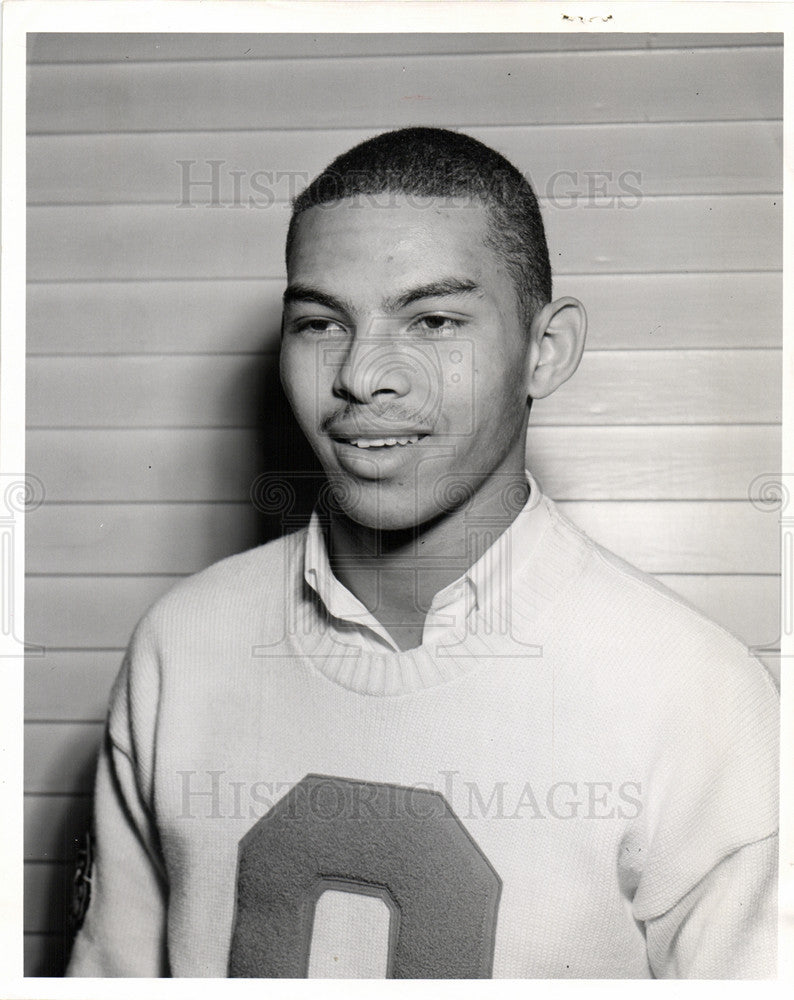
<point x="137" y="538"/>
<point x="668" y="387"/>
<point x="47" y="896"/>
<point x="144" y="465"/>
<point x="738" y="233"/>
<point x="61" y="757"/>
<point x="583" y="463"/>
<point x="563" y="163"/>
<point x="55" y="825"/>
<point x="679" y="310"/>
<point x="699" y="85"/>
<point x="159" y="317"/>
<point x="650" y="312"/>
<point x="72" y="685"/>
<point x="685" y="537"/>
<point x="664" y="387"/>
<point x="62" y="47"/>
<point x="76" y="612"/>
<point x="659" y="537"/>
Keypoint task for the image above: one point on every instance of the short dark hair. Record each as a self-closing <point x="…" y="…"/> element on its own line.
<point x="439" y="163"/>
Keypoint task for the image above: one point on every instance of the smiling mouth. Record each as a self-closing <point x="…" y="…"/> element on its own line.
<point x="384" y="442"/>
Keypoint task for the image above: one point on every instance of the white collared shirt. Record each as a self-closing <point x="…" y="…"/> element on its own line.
<point x="485" y="587"/>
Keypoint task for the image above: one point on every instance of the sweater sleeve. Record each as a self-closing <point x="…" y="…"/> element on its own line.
<point x="124" y="933"/>
<point x="707" y="894"/>
<point x="724" y="928"/>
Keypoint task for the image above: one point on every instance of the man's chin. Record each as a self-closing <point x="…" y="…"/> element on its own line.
<point x="381" y="509"/>
<point x="384" y="518"/>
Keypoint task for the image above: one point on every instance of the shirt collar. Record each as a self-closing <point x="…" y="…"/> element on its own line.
<point x="486" y="584"/>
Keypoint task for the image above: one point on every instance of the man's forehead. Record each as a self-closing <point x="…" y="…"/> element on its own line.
<point x="413" y="241"/>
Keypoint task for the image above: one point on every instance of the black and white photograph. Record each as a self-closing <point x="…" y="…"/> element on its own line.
<point x="405" y="516"/>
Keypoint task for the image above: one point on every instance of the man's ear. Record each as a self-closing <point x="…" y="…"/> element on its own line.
<point x="557" y="335"/>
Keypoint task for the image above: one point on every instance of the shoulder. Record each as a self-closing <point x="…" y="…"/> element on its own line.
<point x="259" y="578"/>
<point x="208" y="620"/>
<point x="650" y="633"/>
<point x="646" y="669"/>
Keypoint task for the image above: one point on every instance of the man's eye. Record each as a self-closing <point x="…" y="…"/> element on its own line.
<point x="322" y="326"/>
<point x="438" y="324"/>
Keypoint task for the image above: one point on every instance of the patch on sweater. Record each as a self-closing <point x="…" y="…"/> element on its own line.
<point x="81" y="883"/>
<point x="404" y="845"/>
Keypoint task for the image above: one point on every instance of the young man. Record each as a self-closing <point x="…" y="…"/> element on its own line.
<point x="440" y="732"/>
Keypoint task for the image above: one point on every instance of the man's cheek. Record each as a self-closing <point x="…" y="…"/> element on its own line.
<point x="303" y="393"/>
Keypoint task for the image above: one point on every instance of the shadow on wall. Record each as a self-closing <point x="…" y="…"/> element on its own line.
<point x="51" y="959"/>
<point x="287" y="476"/>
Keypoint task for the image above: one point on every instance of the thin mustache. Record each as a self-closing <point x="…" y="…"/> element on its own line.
<point x="372" y="419"/>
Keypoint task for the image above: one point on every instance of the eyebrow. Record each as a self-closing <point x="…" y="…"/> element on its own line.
<point x="435" y="289"/>
<point x="305" y="293"/>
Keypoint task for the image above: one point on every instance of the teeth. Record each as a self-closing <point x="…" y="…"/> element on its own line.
<point x="384" y="442"/>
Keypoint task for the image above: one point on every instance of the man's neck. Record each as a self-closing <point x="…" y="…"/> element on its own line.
<point x="396" y="574"/>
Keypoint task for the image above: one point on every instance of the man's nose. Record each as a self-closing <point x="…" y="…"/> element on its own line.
<point x="373" y="367"/>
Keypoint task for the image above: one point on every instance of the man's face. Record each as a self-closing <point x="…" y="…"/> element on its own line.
<point x="404" y="357"/>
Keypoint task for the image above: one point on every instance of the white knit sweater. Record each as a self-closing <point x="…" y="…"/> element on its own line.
<point x="610" y="756"/>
